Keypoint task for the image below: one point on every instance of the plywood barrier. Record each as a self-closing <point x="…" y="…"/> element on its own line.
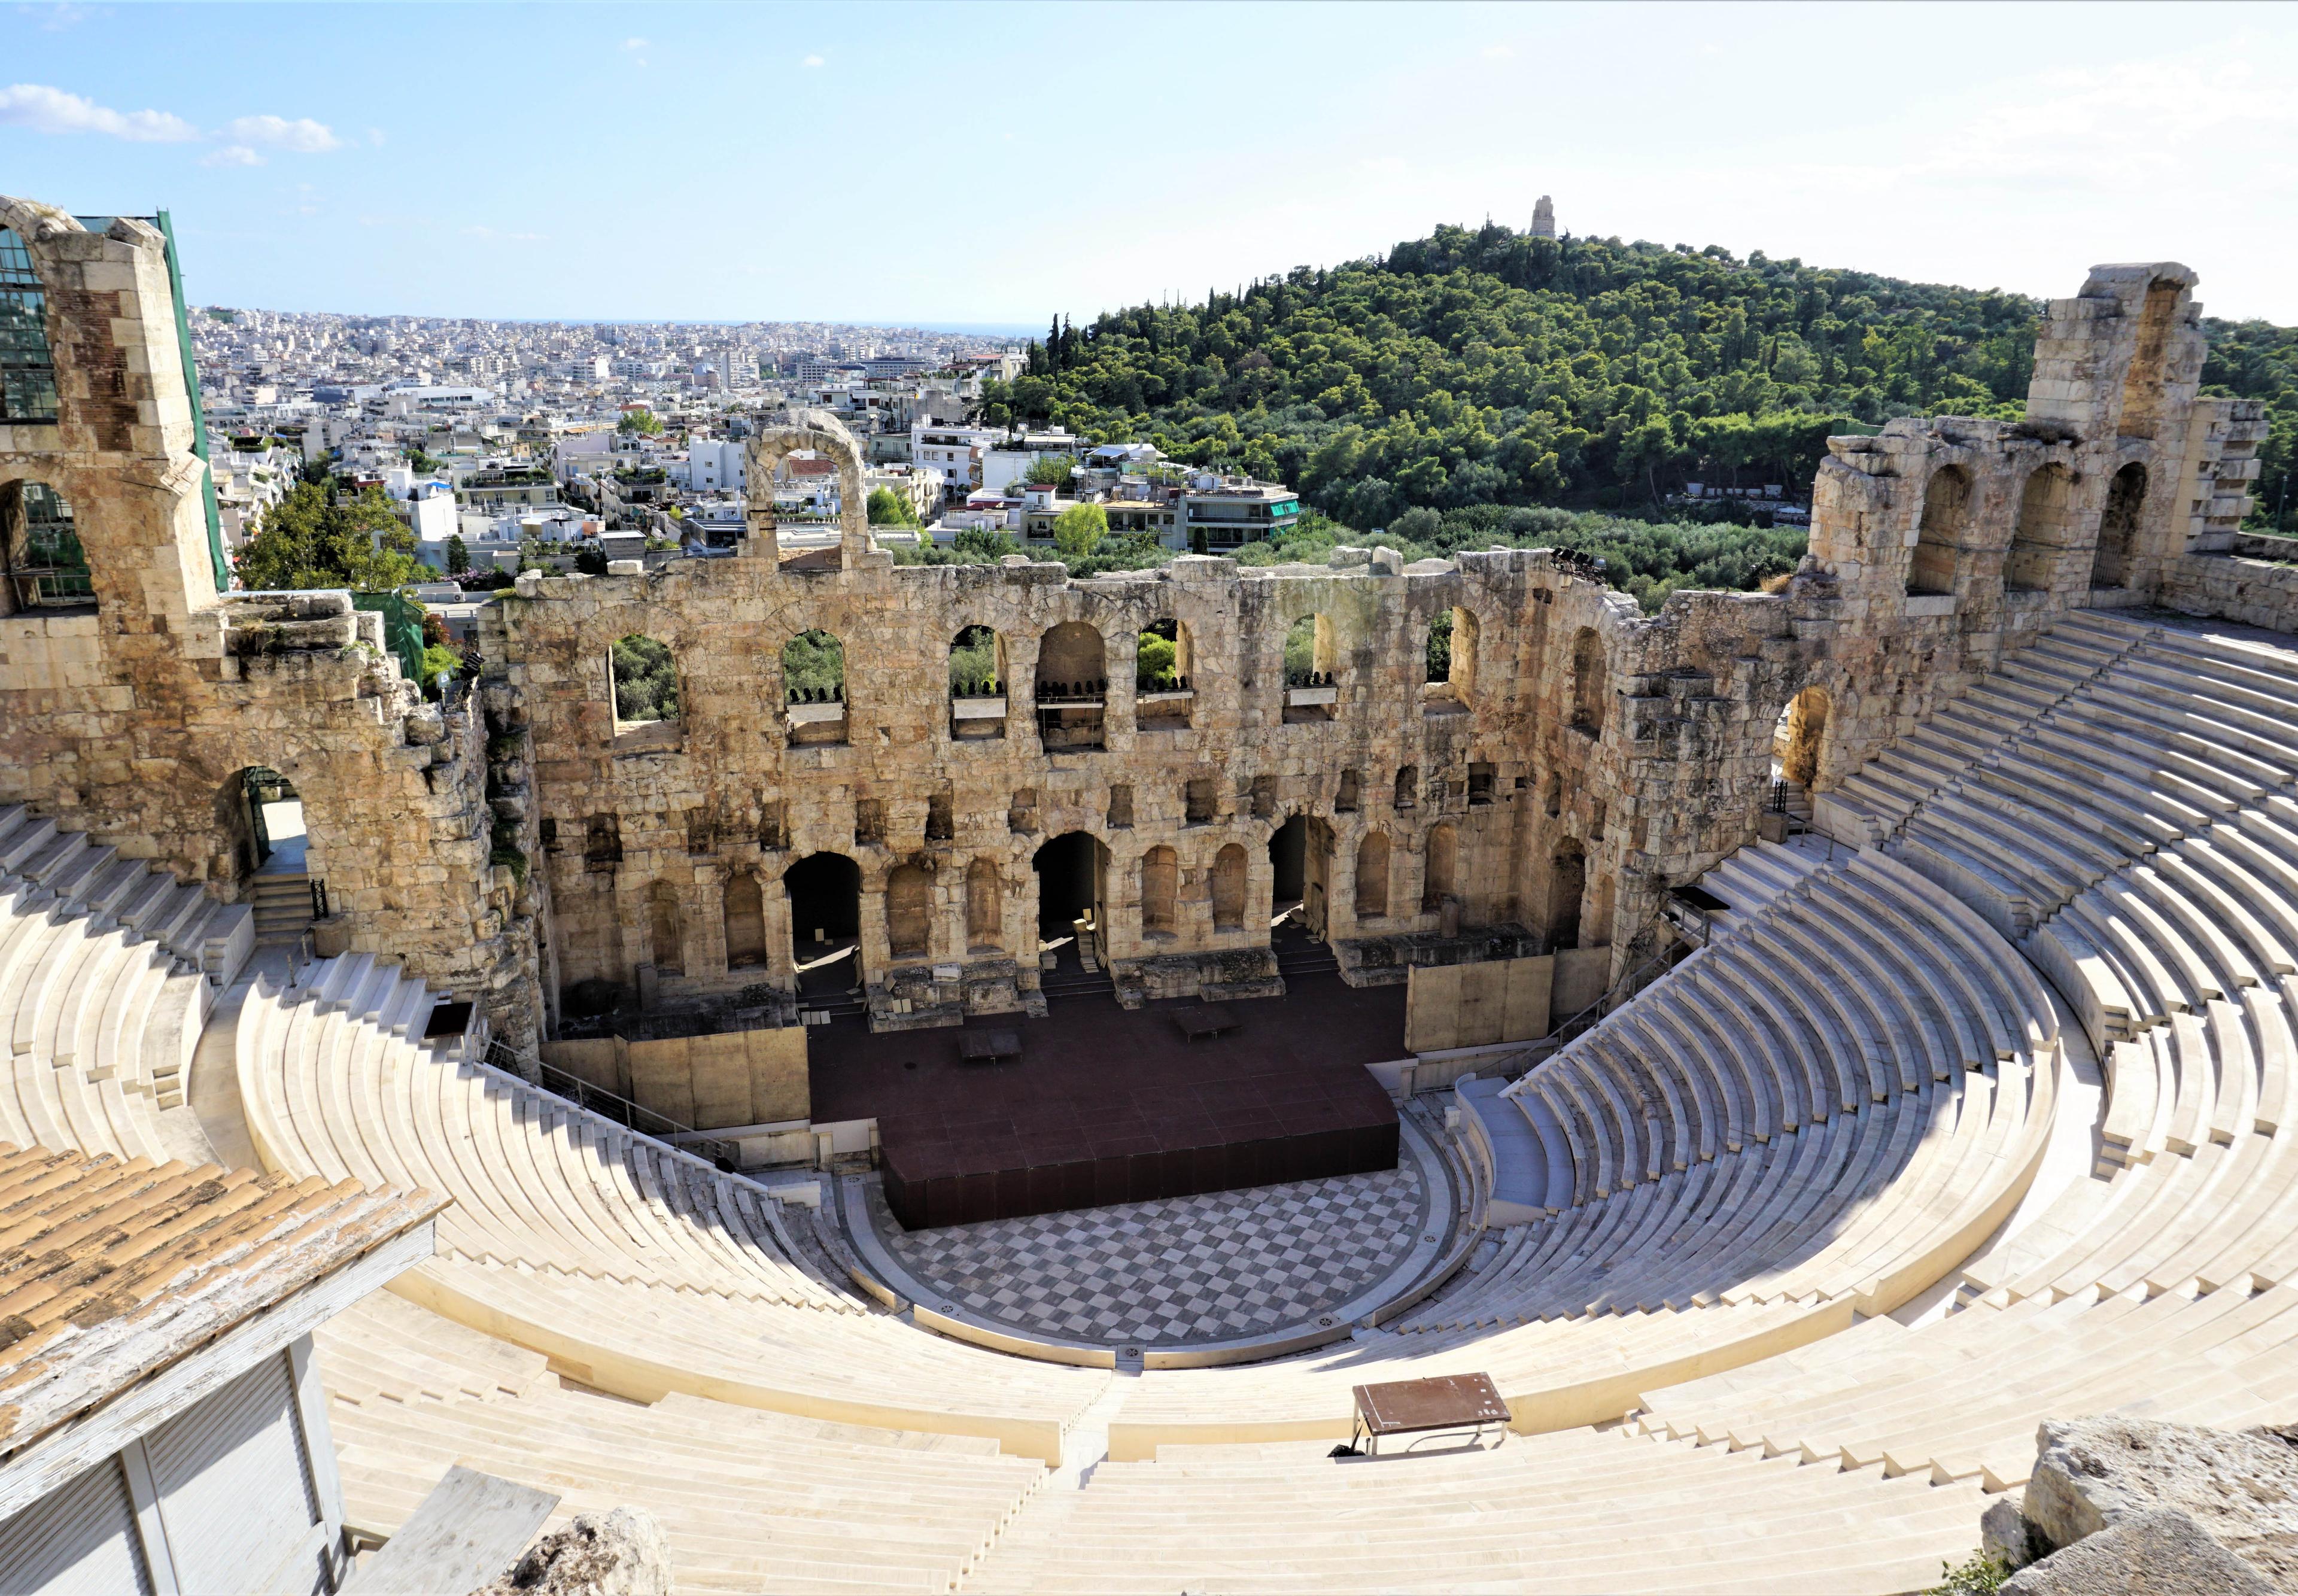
<point x="1476" y="1005"/>
<point x="1581" y="975"/>
<point x="710" y="1082"/>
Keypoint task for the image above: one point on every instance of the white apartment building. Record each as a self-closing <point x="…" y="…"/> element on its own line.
<point x="715" y="465"/>
<point x="953" y="454"/>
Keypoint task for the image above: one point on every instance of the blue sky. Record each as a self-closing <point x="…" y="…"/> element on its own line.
<point x="996" y="163"/>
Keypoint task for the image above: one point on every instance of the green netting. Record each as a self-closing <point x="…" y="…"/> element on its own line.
<point x="402" y="629"/>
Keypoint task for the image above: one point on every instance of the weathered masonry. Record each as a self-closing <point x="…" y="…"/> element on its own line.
<point x="1440" y="762"/>
<point x="134" y="697"/>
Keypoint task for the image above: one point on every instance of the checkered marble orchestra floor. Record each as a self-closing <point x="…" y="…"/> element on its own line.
<point x="1178" y="1269"/>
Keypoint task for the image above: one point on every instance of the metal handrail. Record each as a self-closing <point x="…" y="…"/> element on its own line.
<point x="718" y="1150"/>
<point x="1626" y="987"/>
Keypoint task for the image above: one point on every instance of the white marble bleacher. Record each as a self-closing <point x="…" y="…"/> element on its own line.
<point x="636" y="1268"/>
<point x="1894" y="1134"/>
<point x="101" y="989"/>
<point x="1575" y="1511"/>
<point x="1958" y="1397"/>
<point x="1874" y="801"/>
<point x="749" y="1500"/>
<point x="2164" y="1284"/>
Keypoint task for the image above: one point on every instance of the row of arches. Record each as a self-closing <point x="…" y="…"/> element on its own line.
<point x="1072" y="669"/>
<point x="2041" y="539"/>
<point x="825" y="897"/>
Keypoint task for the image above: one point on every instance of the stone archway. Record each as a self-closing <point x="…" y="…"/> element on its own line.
<point x="819" y="432"/>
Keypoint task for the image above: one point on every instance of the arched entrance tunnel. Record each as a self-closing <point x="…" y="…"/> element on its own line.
<point x="825" y="902"/>
<point x="1288" y="862"/>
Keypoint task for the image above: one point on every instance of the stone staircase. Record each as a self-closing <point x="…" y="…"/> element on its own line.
<point x="283" y="908"/>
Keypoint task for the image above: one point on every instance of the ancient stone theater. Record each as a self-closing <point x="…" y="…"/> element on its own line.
<point x="1393" y="1075"/>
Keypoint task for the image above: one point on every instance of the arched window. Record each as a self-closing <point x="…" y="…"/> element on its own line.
<point x="666" y="929"/>
<point x="645" y="681"/>
<point x="2040" y="538"/>
<point x="1442" y="862"/>
<point x="1071" y="686"/>
<point x="1311" y="670"/>
<point x="977" y="664"/>
<point x="909" y="911"/>
<point x="814" y="687"/>
<point x="1938" y="540"/>
<point x="1408" y="786"/>
<point x="1451" y="657"/>
<point x="1802" y="731"/>
<point x="2118" y="527"/>
<point x="1072" y="658"/>
<point x="744" y="909"/>
<point x="1568" y="881"/>
<point x="1372" y="876"/>
<point x="1588" y="684"/>
<point x="1228" y="888"/>
<point x="985" y="896"/>
<point x="1160" y="887"/>
<point x="27" y="370"/>
<point x="1162" y="689"/>
<point x="977" y="683"/>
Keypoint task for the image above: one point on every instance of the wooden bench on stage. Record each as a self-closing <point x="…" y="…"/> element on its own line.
<point x="1445" y="1403"/>
<point x="1199" y="1020"/>
<point x="987" y="1046"/>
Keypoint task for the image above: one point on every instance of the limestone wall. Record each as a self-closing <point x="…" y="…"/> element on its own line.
<point x="1577" y="761"/>
<point x="724" y="792"/>
<point x="133" y="716"/>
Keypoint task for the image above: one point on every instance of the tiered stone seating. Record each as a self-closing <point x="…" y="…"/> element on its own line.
<point x="1728" y="1167"/>
<point x="749" y="1500"/>
<point x="1576" y="1511"/>
<point x="101" y="989"/>
<point x="2167" y="1284"/>
<point x="1877" y="799"/>
<point x="1958" y="1397"/>
<point x="1824" y="1109"/>
<point x="636" y="1268"/>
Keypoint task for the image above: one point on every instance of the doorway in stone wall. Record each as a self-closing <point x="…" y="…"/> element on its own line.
<point x="265" y="814"/>
<point x="1069" y="870"/>
<point x="826" y="904"/>
<point x="1299" y="864"/>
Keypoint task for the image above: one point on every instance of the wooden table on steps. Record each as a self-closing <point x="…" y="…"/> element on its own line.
<point x="1440" y="1404"/>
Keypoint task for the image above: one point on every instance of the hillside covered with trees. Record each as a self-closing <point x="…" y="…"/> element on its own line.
<point x="1484" y="367"/>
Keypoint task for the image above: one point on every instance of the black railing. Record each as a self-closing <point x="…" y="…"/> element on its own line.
<point x="1071" y="692"/>
<point x="319" y="898"/>
<point x="818" y="695"/>
<point x="613" y="1105"/>
<point x="1308" y="678"/>
<point x="1147" y="683"/>
<point x="991" y="689"/>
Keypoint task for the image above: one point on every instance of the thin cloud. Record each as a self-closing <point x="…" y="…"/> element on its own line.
<point x="232" y="155"/>
<point x="303" y="135"/>
<point x="635" y="44"/>
<point x="46" y="109"/>
<point x="477" y="230"/>
<point x="812" y="60"/>
<point x="374" y="136"/>
<point x="55" y="19"/>
<point x="1498" y="52"/>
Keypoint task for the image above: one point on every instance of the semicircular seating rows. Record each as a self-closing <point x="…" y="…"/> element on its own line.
<point x="1822" y="1114"/>
<point x="636" y="1268"/>
<point x="2163" y="1284"/>
<point x="1817" y="1114"/>
<point x="108" y="968"/>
